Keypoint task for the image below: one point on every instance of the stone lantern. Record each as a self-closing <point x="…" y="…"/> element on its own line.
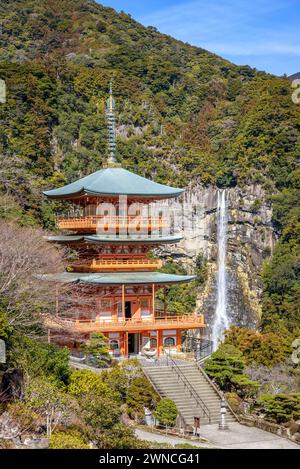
<point x="223" y="410"/>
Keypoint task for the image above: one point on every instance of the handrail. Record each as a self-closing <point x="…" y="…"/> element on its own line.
<point x="108" y="217"/>
<point x="127" y="324"/>
<point x="157" y="319"/>
<point x="99" y="262"/>
<point x="204" y="345"/>
<point x="94" y="219"/>
<point x="190" y="387"/>
<point x="217" y="390"/>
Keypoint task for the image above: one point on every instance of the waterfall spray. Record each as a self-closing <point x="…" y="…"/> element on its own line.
<point x="221" y="320"/>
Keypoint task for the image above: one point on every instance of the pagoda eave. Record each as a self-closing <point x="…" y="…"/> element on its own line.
<point x="124" y="183"/>
<point x="120" y="278"/>
<point x="98" y="239"/>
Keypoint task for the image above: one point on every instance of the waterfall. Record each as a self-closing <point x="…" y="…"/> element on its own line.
<point x="221" y="320"/>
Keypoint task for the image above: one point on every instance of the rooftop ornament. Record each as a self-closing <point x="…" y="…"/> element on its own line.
<point x="111" y="122"/>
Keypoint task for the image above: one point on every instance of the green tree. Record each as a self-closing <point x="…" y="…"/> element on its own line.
<point x="280" y="407"/>
<point x="226" y="366"/>
<point x="86" y="382"/>
<point x="120" y="378"/>
<point x="100" y="414"/>
<point x="140" y="395"/>
<point x="38" y="359"/>
<point x="47" y="400"/>
<point x="96" y="349"/>
<point x="120" y="436"/>
<point x="267" y="349"/>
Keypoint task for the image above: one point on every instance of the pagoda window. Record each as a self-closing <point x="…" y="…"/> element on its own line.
<point x="153" y="342"/>
<point x="169" y="341"/>
<point x="114" y="345"/>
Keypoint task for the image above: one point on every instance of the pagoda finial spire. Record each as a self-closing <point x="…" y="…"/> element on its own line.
<point x="110" y="113"/>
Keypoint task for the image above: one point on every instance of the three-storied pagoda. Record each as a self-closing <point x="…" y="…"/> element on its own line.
<point x="113" y="225"/>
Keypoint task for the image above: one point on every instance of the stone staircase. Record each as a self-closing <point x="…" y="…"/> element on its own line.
<point x="188" y="386"/>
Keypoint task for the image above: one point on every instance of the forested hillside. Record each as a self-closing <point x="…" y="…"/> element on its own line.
<point x="183" y="114"/>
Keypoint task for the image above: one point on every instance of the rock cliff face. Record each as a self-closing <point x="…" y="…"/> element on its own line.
<point x="251" y="239"/>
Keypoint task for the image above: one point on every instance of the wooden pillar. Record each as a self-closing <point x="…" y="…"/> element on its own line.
<point x="126" y="345"/>
<point x="122" y="343"/>
<point x="49" y="336"/>
<point x="178" y="340"/>
<point x="153" y="299"/>
<point x="165" y="301"/>
<point x="123" y="302"/>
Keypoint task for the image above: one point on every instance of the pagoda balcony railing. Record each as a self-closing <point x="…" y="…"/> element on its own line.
<point x="103" y="265"/>
<point x="136" y="324"/>
<point x="107" y="223"/>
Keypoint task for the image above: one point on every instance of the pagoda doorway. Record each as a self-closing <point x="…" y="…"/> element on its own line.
<point x="128" y="313"/>
<point x="133" y="344"/>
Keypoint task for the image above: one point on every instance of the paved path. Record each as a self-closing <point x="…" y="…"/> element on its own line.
<point x="237" y="437"/>
<point x="242" y="437"/>
<point x="172" y="440"/>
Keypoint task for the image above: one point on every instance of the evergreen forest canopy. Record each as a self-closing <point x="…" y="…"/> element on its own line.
<point x="183" y="114"/>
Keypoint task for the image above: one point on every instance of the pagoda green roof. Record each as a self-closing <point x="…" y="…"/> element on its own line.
<point x="119" y="278"/>
<point x="102" y="239"/>
<point x="114" y="182"/>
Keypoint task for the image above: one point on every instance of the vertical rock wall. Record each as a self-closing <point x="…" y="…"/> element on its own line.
<point x="250" y="240"/>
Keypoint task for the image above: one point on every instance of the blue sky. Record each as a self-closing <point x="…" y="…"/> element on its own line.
<point x="261" y="33"/>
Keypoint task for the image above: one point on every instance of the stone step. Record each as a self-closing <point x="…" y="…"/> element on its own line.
<point x="182" y="385"/>
<point x="170" y="385"/>
<point x="187" y="393"/>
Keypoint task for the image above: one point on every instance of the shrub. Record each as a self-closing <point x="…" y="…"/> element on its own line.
<point x="166" y="412"/>
<point x="281" y="407"/>
<point x="68" y="440"/>
<point x="234" y="401"/>
<point x="185" y="446"/>
<point x="25" y="416"/>
<point x="120" y="437"/>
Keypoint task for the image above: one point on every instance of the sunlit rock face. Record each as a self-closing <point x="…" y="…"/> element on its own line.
<point x="250" y="240"/>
